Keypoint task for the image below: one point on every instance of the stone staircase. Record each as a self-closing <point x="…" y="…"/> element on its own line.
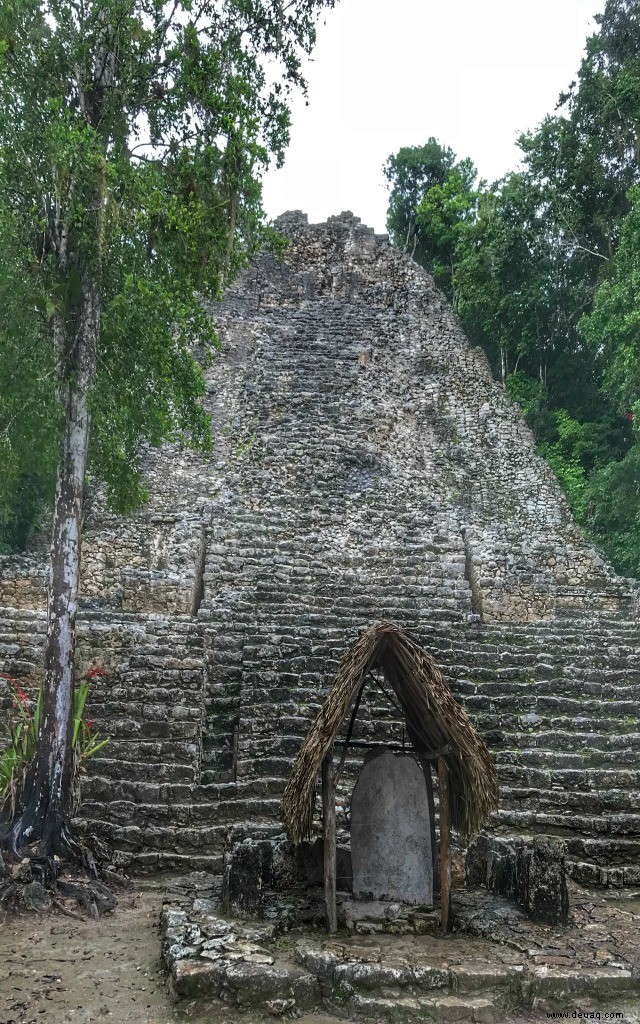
<point x="538" y="693"/>
<point x="557" y="703"/>
<point x="590" y="967"/>
<point x="280" y="629"/>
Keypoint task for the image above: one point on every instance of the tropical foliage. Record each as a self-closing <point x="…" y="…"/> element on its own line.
<point x="543" y="268"/>
<point x="133" y="137"/>
<point x="21" y="729"/>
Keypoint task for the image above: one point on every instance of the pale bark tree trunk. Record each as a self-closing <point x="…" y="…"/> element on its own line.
<point x="48" y="789"/>
<point x="43" y="822"/>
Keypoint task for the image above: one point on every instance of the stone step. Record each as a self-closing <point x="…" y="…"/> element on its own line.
<point x="186" y="814"/>
<point x="275" y="987"/>
<point x="590" y="874"/>
<point x="524" y="697"/>
<point x="600" y="802"/>
<point x="105" y="789"/>
<point x="122" y="769"/>
<point x="145" y="863"/>
<point x="274" y="767"/>
<point x="547" y="706"/>
<point x="552" y="760"/>
<point x="152" y="752"/>
<point x="143" y="694"/>
<point x="605" y="851"/>
<point x="101" y="788"/>
<point x="563" y="822"/>
<point x="564" y="660"/>
<point x="597" y="861"/>
<point x="142" y="728"/>
<point x="509" y="681"/>
<point x="445" y="1008"/>
<point x="132" y="839"/>
<point x="573" y="780"/>
<point x="604" y="730"/>
<point x="562" y="740"/>
<point x="174" y="706"/>
<point x="185" y="840"/>
<point x="422" y="984"/>
<point x="503" y="646"/>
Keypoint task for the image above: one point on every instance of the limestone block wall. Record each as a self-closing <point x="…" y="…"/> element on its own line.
<point x="23" y="582"/>
<point x="354" y="423"/>
<point x="364" y="423"/>
<point x="556" y="702"/>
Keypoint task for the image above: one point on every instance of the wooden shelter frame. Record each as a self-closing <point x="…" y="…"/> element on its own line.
<point x="441" y="735"/>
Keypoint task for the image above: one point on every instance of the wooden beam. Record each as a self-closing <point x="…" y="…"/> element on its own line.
<point x="445" y="843"/>
<point x="329" y="830"/>
<point x="431" y="755"/>
<point x="345" y="745"/>
<point x="426" y="768"/>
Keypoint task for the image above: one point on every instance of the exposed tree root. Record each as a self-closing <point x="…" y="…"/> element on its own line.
<point x="55" y="869"/>
<point x="57" y="905"/>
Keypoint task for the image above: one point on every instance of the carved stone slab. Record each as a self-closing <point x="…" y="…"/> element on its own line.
<point x="390" y="834"/>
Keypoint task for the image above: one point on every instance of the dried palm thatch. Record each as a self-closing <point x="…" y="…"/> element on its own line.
<point x="434" y="720"/>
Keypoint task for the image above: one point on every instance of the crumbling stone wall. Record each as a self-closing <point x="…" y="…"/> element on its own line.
<point x="532" y="875"/>
<point x="366" y="466"/>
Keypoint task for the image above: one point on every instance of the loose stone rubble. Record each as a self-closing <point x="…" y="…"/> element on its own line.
<point x="497" y="963"/>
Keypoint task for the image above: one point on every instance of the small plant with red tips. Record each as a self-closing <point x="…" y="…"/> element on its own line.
<point x="99" y="670"/>
<point x="22" y="732"/>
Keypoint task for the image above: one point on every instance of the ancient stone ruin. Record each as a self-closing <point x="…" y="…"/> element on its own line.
<point x="366" y="467"/>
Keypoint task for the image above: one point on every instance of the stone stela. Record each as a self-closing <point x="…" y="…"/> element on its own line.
<point x="390" y="832"/>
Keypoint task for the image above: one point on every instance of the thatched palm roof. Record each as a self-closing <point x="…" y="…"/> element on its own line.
<point x="435" y="722"/>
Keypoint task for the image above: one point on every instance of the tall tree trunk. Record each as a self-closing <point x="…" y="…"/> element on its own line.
<point x="49" y="784"/>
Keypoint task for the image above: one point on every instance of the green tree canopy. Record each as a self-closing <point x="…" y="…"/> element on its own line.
<point x="133" y="134"/>
<point x="132" y="140"/>
<point x="413" y="173"/>
<point x="526" y="260"/>
<point x="612" y="328"/>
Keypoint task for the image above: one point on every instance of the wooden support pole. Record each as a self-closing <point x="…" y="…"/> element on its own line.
<point x="445" y="843"/>
<point x="345" y="747"/>
<point x="329" y="829"/>
<point x="426" y="768"/>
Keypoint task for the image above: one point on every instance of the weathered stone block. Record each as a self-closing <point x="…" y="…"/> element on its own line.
<point x="390" y="832"/>
<point x="546" y="896"/>
<point x="248" y="871"/>
<point x="532" y="875"/>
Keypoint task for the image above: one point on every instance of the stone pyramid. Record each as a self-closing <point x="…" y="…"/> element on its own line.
<point x="366" y="467"/>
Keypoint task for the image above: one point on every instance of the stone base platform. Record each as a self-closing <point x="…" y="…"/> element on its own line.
<point x="495" y="965"/>
<point x="377" y="917"/>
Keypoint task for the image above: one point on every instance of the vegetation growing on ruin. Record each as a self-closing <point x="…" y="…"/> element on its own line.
<point x="543" y="268"/>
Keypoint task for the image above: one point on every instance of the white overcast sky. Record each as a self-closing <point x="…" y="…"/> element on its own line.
<point x="391" y="73"/>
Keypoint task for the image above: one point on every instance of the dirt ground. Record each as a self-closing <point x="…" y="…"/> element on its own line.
<point x="55" y="970"/>
<point x="58" y="969"/>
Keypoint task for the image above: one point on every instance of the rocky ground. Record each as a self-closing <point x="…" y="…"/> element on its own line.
<point x="55" y="969"/>
<point x="393" y="964"/>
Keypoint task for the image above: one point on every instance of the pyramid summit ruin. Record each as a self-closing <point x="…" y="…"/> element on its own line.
<point x="366" y="467"/>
